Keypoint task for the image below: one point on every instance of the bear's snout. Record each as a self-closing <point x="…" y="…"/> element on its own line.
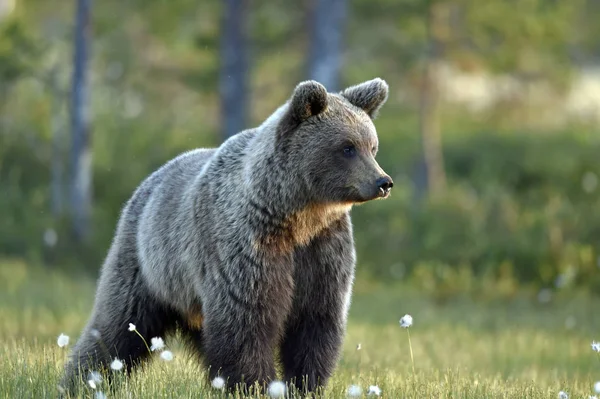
<point x="384" y="185"/>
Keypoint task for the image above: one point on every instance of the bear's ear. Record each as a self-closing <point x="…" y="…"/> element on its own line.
<point x="309" y="98"/>
<point x="369" y="96"/>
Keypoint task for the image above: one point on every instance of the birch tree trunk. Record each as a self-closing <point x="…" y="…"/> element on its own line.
<point x="234" y="67"/>
<point x="81" y="155"/>
<point x="325" y="55"/>
<point x="432" y="178"/>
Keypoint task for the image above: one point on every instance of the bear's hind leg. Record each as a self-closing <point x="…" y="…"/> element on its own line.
<point x="122" y="298"/>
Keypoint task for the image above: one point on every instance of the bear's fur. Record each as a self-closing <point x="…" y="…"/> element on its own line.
<point x="246" y="248"/>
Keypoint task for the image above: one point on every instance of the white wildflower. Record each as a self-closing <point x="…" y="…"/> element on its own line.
<point x="167" y="356"/>
<point x="563" y="395"/>
<point x="157" y="344"/>
<point x="597" y="387"/>
<point x="374" y="390"/>
<point x="276" y="389"/>
<point x="218" y="383"/>
<point x="596" y="346"/>
<point x="358" y="347"/>
<point x="94" y="379"/>
<point x="354" y="391"/>
<point x="99" y="395"/>
<point x="63" y="340"/>
<point x="131" y="327"/>
<point x="116" y="365"/>
<point x="406" y="321"/>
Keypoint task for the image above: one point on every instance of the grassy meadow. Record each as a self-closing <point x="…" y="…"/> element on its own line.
<point x="490" y="348"/>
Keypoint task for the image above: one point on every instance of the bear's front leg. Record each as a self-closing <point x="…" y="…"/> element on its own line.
<point x="244" y="319"/>
<point x="324" y="272"/>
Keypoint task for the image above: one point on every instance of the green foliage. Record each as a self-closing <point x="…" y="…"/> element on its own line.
<point x="18" y="52"/>
<point x="520" y="207"/>
<point x="516" y="212"/>
<point x="529" y="38"/>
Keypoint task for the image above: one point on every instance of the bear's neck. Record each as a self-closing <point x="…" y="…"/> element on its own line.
<point x="284" y="214"/>
<point x="309" y="222"/>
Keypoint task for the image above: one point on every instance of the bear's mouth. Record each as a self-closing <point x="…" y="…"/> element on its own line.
<point x="358" y="197"/>
<point x="384" y="192"/>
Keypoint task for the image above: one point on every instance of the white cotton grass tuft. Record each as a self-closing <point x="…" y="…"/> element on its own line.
<point x="63" y="340"/>
<point x="597" y="387"/>
<point x="374" y="390"/>
<point x="354" y="391"/>
<point x="132" y="327"/>
<point x="116" y="364"/>
<point x="596" y="346"/>
<point x="406" y="321"/>
<point x="157" y="344"/>
<point x="563" y="395"/>
<point x="218" y="383"/>
<point x="94" y="379"/>
<point x="276" y="389"/>
<point x="167" y="356"/>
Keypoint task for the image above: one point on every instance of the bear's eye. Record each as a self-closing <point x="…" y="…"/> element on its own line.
<point x="349" y="151"/>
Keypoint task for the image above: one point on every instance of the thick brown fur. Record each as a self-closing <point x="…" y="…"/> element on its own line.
<point x="247" y="248"/>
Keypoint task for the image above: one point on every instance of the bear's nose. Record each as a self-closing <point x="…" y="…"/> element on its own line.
<point x="384" y="184"/>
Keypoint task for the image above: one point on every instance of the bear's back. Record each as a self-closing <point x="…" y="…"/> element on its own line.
<point x="167" y="181"/>
<point x="168" y="231"/>
<point x="150" y="217"/>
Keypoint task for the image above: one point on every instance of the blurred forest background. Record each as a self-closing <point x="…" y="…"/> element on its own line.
<point x="491" y="132"/>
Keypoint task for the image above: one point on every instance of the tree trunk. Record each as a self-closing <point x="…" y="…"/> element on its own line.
<point x="432" y="180"/>
<point x="234" y="67"/>
<point x="81" y="156"/>
<point x="327" y="28"/>
<point x="57" y="167"/>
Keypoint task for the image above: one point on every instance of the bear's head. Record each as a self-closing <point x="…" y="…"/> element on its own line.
<point x="331" y="141"/>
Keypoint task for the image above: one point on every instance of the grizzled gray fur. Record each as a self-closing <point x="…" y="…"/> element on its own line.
<point x="246" y="248"/>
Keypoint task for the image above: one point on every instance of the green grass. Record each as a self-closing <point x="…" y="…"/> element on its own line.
<point x="511" y="348"/>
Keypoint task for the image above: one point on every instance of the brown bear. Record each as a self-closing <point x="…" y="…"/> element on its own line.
<point x="246" y="248"/>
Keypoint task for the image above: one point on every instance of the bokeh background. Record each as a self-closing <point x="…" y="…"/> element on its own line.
<point x="490" y="132"/>
<point x="491" y="238"/>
